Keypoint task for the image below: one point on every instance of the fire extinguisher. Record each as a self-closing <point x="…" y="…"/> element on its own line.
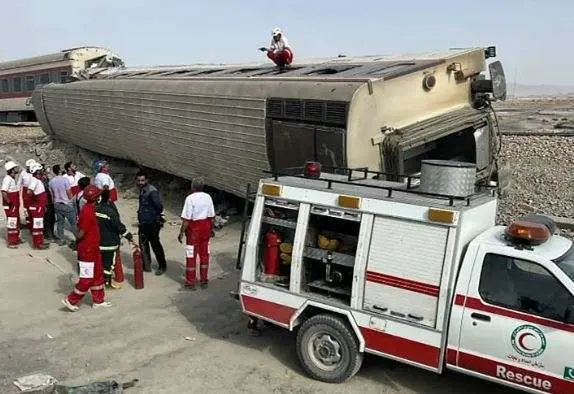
<point x="138" y="267"/>
<point x="271" y="256"/>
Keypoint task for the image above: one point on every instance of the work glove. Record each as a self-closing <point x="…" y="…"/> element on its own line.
<point x="129" y="237"/>
<point x="263" y="49"/>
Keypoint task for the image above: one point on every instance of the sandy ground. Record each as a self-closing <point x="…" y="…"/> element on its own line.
<point x="144" y="335"/>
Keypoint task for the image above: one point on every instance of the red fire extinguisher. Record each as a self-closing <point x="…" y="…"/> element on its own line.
<point x="138" y="267"/>
<point x="118" y="268"/>
<point x="271" y="255"/>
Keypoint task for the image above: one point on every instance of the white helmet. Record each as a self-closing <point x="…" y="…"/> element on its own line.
<point x="276" y="32"/>
<point x="35" y="167"/>
<point x="30" y="163"/>
<point x="10" y="165"/>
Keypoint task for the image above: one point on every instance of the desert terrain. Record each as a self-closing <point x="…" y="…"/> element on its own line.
<point x="193" y="342"/>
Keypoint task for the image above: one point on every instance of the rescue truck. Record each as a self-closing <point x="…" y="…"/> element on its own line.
<point x="417" y="272"/>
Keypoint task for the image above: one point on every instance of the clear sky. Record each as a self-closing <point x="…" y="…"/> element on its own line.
<point x="533" y="38"/>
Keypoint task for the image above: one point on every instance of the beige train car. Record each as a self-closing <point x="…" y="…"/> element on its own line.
<point x="19" y="78"/>
<point x="229" y="123"/>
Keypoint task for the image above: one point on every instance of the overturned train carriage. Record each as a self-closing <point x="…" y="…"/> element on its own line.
<point x="229" y="123"/>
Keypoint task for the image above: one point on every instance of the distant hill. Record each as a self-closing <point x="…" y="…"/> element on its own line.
<point x="538" y="90"/>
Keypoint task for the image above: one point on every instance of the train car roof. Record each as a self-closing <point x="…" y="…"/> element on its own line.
<point x="375" y="67"/>
<point x="42" y="59"/>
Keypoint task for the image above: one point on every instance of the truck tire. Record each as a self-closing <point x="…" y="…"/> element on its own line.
<point x="328" y="349"/>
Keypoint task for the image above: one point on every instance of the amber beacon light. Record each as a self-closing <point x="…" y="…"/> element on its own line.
<point x="527" y="232"/>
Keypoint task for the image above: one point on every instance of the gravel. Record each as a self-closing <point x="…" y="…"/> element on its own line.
<point x="542" y="171"/>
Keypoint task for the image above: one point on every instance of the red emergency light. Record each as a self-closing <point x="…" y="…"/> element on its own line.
<point x="312" y="169"/>
<point x="528" y="232"/>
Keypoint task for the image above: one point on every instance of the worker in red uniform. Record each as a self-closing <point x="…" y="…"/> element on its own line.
<point x="73" y="175"/>
<point x="197" y="222"/>
<point x="279" y="51"/>
<point x="38" y="205"/>
<point x="89" y="258"/>
<point x="11" y="203"/>
<point x="24" y="184"/>
<point x="103" y="180"/>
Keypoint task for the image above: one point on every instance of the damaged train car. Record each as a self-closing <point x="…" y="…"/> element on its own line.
<point x="230" y="123"/>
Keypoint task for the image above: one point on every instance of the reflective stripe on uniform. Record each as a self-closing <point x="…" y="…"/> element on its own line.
<point x="109" y="248"/>
<point x="102" y="215"/>
<point x="190" y="269"/>
<point x="204" y="266"/>
<point x="79" y="292"/>
<point x="99" y="287"/>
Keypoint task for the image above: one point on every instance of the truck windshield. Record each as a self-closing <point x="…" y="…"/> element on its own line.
<point x="566" y="263"/>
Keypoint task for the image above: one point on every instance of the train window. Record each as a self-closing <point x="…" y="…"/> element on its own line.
<point x="30" y="82"/>
<point x="17" y="83"/>
<point x="5" y="86"/>
<point x="63" y="76"/>
<point x="44" y="78"/>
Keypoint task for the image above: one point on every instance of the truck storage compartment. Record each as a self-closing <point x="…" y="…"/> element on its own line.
<point x="276" y="241"/>
<point x="329" y="253"/>
<point x="404" y="269"/>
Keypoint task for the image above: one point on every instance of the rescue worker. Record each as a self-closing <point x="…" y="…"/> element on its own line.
<point x="103" y="180"/>
<point x="11" y="203"/>
<point x="24" y="184"/>
<point x="79" y="199"/>
<point x="111" y="230"/>
<point x="279" y="51"/>
<point x="73" y="175"/>
<point x="50" y="214"/>
<point x="150" y="223"/>
<point x="89" y="259"/>
<point x="197" y="223"/>
<point x="38" y="203"/>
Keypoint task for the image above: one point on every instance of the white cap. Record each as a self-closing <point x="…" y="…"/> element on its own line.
<point x="276" y="32"/>
<point x="30" y="162"/>
<point x="9" y="165"/>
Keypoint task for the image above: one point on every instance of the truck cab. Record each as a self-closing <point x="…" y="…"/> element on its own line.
<point x="513" y="310"/>
<point x="418" y="274"/>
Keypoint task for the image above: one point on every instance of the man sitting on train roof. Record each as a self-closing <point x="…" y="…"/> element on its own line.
<point x="279" y="50"/>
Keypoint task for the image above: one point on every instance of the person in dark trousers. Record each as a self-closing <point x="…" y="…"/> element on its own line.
<point x="111" y="230"/>
<point x="151" y="220"/>
<point x="50" y="215"/>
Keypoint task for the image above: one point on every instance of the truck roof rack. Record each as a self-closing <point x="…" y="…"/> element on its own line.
<point x="355" y="175"/>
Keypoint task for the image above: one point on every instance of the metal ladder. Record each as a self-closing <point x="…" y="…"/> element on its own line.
<point x="249" y="197"/>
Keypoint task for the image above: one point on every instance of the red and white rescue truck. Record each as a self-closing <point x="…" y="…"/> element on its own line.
<point x="419" y="274"/>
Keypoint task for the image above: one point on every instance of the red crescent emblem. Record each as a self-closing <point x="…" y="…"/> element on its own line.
<point x="521" y="340"/>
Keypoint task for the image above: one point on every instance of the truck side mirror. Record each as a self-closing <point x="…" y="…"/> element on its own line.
<point x="498" y="80"/>
<point x="569" y="315"/>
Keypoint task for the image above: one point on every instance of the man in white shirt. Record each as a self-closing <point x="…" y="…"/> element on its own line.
<point x="197" y="223"/>
<point x="11" y="203"/>
<point x="73" y="175"/>
<point x="279" y="51"/>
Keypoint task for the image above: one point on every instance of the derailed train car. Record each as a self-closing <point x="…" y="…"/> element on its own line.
<point x="229" y="123"/>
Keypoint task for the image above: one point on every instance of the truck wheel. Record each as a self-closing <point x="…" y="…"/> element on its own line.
<point x="328" y="349"/>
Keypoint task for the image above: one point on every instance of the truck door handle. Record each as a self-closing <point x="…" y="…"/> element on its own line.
<point x="480" y="316"/>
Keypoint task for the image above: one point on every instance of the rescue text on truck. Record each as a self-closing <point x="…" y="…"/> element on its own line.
<point x="417" y="272"/>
